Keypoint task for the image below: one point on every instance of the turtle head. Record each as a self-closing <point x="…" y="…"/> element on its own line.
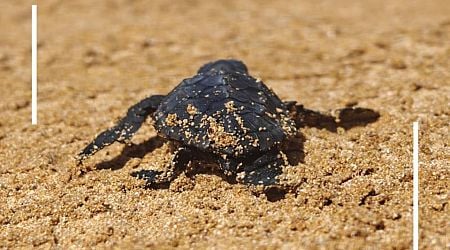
<point x="230" y="66"/>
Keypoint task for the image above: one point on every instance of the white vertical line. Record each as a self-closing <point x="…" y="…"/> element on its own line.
<point x="34" y="64"/>
<point x="415" y="186"/>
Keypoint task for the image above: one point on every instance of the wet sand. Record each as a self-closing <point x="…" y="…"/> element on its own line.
<point x="97" y="59"/>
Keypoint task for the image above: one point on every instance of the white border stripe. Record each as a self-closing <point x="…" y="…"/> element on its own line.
<point x="34" y="64"/>
<point x="415" y="185"/>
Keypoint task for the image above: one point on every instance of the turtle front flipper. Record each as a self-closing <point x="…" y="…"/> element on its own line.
<point x="125" y="128"/>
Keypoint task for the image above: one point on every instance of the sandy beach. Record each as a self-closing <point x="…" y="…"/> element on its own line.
<point x="96" y="59"/>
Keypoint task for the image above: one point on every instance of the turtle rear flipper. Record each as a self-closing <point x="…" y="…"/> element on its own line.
<point x="264" y="170"/>
<point x="154" y="178"/>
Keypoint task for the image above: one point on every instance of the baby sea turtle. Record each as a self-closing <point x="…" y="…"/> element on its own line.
<point x="225" y="116"/>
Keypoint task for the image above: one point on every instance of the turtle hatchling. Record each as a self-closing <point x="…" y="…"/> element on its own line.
<point x="224" y="116"/>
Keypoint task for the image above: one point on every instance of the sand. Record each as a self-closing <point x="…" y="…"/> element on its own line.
<point x="97" y="59"/>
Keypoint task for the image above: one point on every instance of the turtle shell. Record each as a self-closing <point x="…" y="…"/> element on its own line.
<point x="226" y="113"/>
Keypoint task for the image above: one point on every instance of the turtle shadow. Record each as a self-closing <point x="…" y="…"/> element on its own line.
<point x="131" y="151"/>
<point x="293" y="148"/>
<point x="347" y="118"/>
